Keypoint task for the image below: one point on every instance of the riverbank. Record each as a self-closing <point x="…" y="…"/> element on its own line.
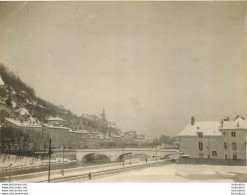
<point x="177" y="173"/>
<point x="57" y="175"/>
<point x="15" y="162"/>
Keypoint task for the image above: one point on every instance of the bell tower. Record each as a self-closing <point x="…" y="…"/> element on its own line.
<point x="103" y="115"/>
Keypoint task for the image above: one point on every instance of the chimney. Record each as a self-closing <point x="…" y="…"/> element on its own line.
<point x="222" y="122"/>
<point x="192" y="120"/>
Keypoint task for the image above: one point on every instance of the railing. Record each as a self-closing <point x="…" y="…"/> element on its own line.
<point x="105" y="173"/>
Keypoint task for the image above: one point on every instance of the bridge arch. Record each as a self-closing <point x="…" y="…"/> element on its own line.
<point x="120" y="157"/>
<point x="95" y="157"/>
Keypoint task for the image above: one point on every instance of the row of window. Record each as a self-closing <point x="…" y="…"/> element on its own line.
<point x="233" y="134"/>
<point x="234" y="146"/>
<point x="214" y="153"/>
<point x="234" y="157"/>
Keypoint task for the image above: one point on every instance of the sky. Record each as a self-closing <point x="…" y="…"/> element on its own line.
<point x="151" y="65"/>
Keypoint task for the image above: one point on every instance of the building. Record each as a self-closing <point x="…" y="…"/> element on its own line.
<point x="25" y="133"/>
<point x="130" y="134"/>
<point x="58" y="134"/>
<point x="57" y="121"/>
<point x="214" y="139"/>
<point x="21" y="136"/>
<point x="10" y="122"/>
<point x="234" y="138"/>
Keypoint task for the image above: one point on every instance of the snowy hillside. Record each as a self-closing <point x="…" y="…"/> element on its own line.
<point x="25" y="106"/>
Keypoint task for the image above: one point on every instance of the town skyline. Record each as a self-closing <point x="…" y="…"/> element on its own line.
<point x="150" y="67"/>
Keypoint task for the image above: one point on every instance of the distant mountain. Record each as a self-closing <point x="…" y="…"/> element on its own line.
<point x="25" y="105"/>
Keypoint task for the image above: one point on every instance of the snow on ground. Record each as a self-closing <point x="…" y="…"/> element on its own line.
<point x="182" y="173"/>
<point x="25" y="162"/>
<point x="13" y="104"/>
<point x="1" y="81"/>
<point x="23" y="111"/>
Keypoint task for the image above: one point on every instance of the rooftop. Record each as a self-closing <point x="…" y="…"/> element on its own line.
<point x="238" y="123"/>
<point x="208" y="128"/>
<point x="23" y="124"/>
<point x="55" y="119"/>
<point x="56" y="127"/>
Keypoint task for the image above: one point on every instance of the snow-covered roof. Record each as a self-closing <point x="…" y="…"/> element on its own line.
<point x="1" y="81"/>
<point x="56" y="127"/>
<point x="116" y="136"/>
<point x="80" y="131"/>
<point x="23" y="124"/>
<point x="55" y="119"/>
<point x="239" y="123"/>
<point x="210" y="128"/>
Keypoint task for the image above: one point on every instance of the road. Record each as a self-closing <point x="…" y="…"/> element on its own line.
<point x="4" y="174"/>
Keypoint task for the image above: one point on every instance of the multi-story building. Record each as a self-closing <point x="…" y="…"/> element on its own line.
<point x="21" y="135"/>
<point x="37" y="136"/>
<point x="214" y="139"/>
<point x="234" y="138"/>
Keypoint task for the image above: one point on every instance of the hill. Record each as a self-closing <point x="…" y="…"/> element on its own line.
<point x="21" y="99"/>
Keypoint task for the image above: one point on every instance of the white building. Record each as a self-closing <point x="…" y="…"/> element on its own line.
<point x="214" y="139"/>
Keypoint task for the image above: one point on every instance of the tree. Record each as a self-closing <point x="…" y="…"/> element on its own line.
<point x="164" y="139"/>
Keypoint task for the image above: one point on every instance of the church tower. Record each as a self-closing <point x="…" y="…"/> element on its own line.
<point x="103" y="115"/>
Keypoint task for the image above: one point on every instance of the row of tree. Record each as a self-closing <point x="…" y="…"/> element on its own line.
<point x="163" y="139"/>
<point x="21" y="142"/>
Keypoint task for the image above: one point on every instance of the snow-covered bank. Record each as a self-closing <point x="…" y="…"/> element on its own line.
<point x="21" y="162"/>
<point x="182" y="173"/>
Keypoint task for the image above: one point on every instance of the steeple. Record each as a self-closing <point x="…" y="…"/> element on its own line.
<point x="103" y="115"/>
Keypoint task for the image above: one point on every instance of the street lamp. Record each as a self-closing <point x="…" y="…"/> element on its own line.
<point x="10" y="172"/>
<point x="63" y="163"/>
<point x="156" y="152"/>
<point x="49" y="170"/>
<point x="123" y="154"/>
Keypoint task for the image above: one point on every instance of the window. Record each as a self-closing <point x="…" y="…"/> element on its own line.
<point x="224" y="133"/>
<point x="225" y="145"/>
<point x="214" y="153"/>
<point x="233" y="134"/>
<point x="235" y="157"/>
<point x="200" y="146"/>
<point x="234" y="146"/>
<point x="226" y="156"/>
<point x="199" y="134"/>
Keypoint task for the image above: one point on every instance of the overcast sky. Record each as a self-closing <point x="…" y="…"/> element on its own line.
<point x="152" y="65"/>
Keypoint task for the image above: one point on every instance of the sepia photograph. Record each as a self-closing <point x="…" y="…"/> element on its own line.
<point x="123" y="92"/>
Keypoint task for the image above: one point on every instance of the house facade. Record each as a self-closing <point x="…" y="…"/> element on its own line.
<point x="214" y="139"/>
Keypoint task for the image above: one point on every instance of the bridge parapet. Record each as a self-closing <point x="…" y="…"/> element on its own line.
<point x="113" y="154"/>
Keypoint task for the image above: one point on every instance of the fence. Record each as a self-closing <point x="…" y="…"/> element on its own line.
<point x="105" y="173"/>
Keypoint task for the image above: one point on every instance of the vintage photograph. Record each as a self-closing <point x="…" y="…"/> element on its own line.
<point x="97" y="92"/>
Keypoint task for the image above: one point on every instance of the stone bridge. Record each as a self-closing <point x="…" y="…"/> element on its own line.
<point x="117" y="154"/>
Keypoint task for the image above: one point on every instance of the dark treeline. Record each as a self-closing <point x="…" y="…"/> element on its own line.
<point x="21" y="142"/>
<point x="163" y="139"/>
